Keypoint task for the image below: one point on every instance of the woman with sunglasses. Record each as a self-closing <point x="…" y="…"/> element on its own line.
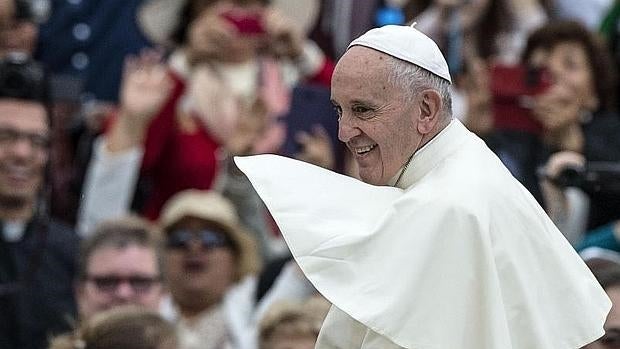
<point x="210" y="263"/>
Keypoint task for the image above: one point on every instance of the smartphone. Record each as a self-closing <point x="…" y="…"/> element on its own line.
<point x="513" y="88"/>
<point x="311" y="106"/>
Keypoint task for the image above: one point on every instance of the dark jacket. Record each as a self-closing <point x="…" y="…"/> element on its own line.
<point x="36" y="285"/>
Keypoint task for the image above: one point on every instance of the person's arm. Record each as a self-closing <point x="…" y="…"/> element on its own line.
<point x="113" y="171"/>
<point x="567" y="207"/>
<point x="109" y="185"/>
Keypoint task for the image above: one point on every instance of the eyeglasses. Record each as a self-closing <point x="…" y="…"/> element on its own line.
<point x="10" y="136"/>
<point x="181" y="238"/>
<point x="110" y="283"/>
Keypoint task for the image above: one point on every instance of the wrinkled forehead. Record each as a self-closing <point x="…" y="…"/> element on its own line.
<point x="24" y="115"/>
<point x="362" y="60"/>
<point x="362" y="73"/>
<point x="361" y="66"/>
<point x="110" y="255"/>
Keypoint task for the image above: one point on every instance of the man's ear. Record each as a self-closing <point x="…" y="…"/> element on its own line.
<point x="430" y="111"/>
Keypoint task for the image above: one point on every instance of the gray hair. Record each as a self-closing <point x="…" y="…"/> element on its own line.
<point x="413" y="79"/>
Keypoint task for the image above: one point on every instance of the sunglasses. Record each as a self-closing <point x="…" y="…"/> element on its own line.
<point x="208" y="239"/>
<point x="110" y="283"/>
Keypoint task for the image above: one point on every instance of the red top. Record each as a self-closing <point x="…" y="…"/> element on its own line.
<point x="175" y="160"/>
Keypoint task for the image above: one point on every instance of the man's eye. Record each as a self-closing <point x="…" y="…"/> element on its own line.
<point x="40" y="141"/>
<point x="360" y="109"/>
<point x="8" y="135"/>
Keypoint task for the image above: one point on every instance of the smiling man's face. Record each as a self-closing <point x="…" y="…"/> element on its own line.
<point x="377" y="123"/>
<point x="24" y="134"/>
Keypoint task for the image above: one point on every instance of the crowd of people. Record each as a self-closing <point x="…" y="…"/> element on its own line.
<point x="124" y="220"/>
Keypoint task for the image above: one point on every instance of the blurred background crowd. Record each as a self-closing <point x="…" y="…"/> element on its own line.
<point x="124" y="222"/>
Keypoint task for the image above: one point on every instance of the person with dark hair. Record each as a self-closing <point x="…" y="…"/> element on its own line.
<point x="37" y="253"/>
<point x="18" y="31"/>
<point x="119" y="264"/>
<point x="578" y="118"/>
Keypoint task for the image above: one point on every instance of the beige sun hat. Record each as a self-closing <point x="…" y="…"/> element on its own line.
<point x="213" y="207"/>
<point x="158" y="18"/>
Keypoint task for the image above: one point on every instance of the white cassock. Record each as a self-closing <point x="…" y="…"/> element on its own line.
<point x="462" y="258"/>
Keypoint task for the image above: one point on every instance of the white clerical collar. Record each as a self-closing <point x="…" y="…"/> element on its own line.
<point x="425" y="158"/>
<point x="13" y="231"/>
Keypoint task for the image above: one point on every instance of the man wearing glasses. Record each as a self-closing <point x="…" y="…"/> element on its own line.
<point x="119" y="264"/>
<point x="36" y="252"/>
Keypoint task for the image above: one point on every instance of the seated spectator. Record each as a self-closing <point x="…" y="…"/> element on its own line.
<point x="119" y="264"/>
<point x="121" y="328"/>
<point x="293" y="325"/>
<point x="210" y="270"/>
<point x="37" y="252"/>
<point x="18" y="32"/>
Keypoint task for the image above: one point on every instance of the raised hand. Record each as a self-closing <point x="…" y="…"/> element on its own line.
<point x="286" y="40"/>
<point x="146" y="86"/>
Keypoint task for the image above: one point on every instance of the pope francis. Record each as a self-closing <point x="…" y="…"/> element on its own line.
<point x="439" y="247"/>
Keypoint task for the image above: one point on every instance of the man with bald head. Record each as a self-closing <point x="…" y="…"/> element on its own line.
<point x="438" y="247"/>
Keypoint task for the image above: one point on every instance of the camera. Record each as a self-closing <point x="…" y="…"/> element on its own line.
<point x="22" y="78"/>
<point x="594" y="178"/>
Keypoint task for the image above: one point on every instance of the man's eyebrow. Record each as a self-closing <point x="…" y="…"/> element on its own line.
<point x="333" y="102"/>
<point x="363" y="102"/>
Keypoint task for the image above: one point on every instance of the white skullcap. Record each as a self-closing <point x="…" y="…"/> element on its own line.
<point x="406" y="43"/>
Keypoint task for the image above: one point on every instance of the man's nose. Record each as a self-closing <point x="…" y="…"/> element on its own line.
<point x="124" y="291"/>
<point x="22" y="147"/>
<point x="346" y="130"/>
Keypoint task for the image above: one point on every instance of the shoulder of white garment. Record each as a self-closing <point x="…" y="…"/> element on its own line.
<point x="465" y="240"/>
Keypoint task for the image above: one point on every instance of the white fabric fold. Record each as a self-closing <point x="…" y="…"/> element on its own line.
<point x="463" y="258"/>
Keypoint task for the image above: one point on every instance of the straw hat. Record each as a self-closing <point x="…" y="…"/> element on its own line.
<point x="158" y="18"/>
<point x="213" y="207"/>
